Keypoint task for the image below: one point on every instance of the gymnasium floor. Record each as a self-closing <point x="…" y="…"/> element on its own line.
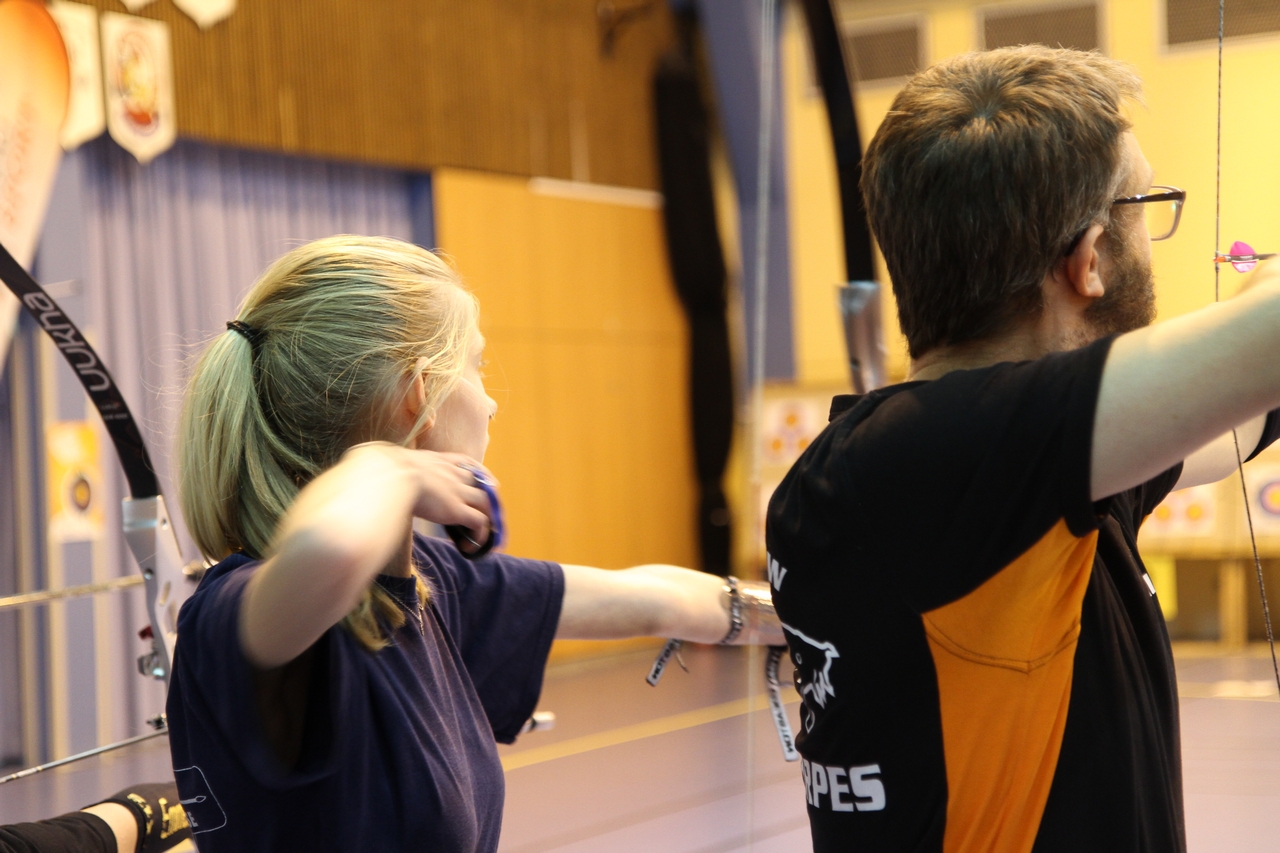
<point x="683" y="768"/>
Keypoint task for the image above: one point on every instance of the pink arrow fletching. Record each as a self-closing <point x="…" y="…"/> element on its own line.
<point x="1241" y="248"/>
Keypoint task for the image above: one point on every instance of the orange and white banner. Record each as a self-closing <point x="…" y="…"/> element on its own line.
<point x="138" y="69"/>
<point x="85" y="116"/>
<point x="35" y="82"/>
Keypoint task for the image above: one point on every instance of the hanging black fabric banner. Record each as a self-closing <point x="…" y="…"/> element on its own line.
<point x="698" y="268"/>
<point x="837" y="91"/>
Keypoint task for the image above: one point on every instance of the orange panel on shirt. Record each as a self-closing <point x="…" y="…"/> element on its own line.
<point x="1004" y="656"/>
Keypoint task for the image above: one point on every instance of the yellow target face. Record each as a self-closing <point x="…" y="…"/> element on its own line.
<point x="1269" y="498"/>
<point x="81" y="493"/>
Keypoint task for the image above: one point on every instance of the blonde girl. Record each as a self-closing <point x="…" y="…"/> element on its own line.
<point x="340" y="682"/>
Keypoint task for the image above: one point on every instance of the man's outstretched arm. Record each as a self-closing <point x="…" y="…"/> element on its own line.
<point x="1171" y="389"/>
<point x="1217" y="459"/>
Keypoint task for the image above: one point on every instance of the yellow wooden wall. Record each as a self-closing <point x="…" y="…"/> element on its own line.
<point x="587" y="360"/>
<point x="817" y="246"/>
<point x="1176" y="129"/>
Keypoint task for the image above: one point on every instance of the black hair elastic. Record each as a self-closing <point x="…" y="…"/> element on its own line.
<point x="252" y="335"/>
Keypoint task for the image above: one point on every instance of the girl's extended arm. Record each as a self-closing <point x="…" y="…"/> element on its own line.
<point x="661" y="601"/>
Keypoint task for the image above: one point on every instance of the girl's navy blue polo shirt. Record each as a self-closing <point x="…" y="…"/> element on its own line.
<point x="398" y="750"/>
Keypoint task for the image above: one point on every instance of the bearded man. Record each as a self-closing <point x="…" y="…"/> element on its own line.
<point x="981" y="655"/>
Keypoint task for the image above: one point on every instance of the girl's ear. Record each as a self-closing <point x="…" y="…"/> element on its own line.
<point x="411" y="409"/>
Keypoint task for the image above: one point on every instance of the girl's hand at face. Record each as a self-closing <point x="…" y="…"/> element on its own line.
<point x="345" y="527"/>
<point x="444" y="489"/>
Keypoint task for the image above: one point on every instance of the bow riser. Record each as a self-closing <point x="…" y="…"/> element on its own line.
<point x="147" y="527"/>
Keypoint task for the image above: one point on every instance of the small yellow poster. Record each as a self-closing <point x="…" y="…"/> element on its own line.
<point x="75" y="482"/>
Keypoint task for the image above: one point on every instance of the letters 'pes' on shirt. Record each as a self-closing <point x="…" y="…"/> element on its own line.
<point x="982" y="659"/>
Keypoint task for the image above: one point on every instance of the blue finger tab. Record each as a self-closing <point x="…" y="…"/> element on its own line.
<point x="490" y="488"/>
<point x="497" y="530"/>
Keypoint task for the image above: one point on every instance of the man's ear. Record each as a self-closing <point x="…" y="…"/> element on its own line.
<point x="1079" y="269"/>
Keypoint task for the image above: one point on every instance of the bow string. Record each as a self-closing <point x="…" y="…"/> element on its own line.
<point x="1243" y="258"/>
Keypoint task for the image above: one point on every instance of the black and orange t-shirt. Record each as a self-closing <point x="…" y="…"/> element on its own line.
<point x="981" y="656"/>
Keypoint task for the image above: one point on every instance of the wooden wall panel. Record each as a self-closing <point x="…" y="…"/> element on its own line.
<point x="588" y="362"/>
<point x="511" y="86"/>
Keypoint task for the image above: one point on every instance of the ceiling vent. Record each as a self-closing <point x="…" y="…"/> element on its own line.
<point x="883" y="51"/>
<point x="1074" y="26"/>
<point x="1191" y="21"/>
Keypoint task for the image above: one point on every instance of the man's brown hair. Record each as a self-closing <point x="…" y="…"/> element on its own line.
<point x="986" y="168"/>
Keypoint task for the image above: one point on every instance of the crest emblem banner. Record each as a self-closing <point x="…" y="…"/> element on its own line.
<point x="137" y="67"/>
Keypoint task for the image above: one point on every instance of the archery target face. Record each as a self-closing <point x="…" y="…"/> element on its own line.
<point x="74" y="477"/>
<point x="1263" y="485"/>
<point x="790" y="425"/>
<point x="1191" y="513"/>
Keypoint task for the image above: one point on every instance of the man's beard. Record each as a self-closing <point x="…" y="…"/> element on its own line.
<point x="1130" y="299"/>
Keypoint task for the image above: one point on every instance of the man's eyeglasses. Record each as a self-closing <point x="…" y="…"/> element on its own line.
<point x="1163" y="209"/>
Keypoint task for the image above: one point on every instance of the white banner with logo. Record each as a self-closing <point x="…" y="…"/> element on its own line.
<point x="34" y="87"/>
<point x="137" y="67"/>
<point x="86" y="118"/>
<point x="206" y="13"/>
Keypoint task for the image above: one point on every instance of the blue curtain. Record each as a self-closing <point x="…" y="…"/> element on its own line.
<point x="10" y="675"/>
<point x="732" y="32"/>
<point x="157" y="258"/>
